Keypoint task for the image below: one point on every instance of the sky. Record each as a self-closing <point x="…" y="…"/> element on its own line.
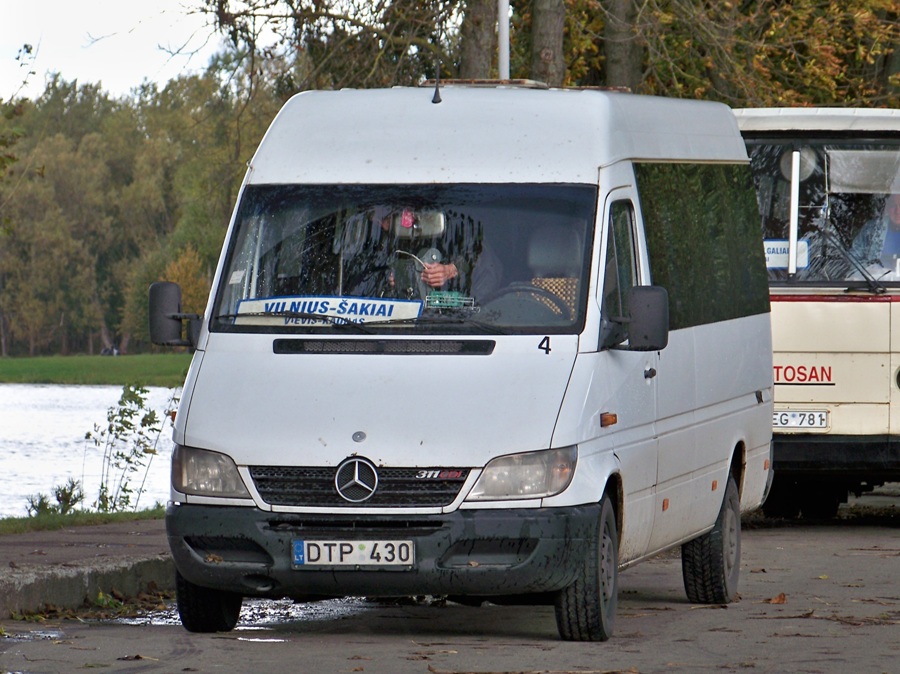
<point x="117" y="43"/>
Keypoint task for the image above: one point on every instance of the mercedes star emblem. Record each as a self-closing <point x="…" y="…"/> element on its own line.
<point x="356" y="479"/>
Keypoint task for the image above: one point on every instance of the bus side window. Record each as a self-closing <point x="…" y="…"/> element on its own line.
<point x="620" y="272"/>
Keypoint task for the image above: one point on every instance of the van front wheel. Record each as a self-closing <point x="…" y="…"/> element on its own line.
<point x="711" y="564"/>
<point x="586" y="609"/>
<point x="203" y="609"/>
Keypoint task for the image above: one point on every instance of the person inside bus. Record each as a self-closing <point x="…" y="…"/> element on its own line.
<point x="480" y="279"/>
<point x="879" y="239"/>
<point x="484" y="274"/>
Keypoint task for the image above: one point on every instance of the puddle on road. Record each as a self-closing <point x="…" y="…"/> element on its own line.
<point x="35" y="635"/>
<point x="258" y="614"/>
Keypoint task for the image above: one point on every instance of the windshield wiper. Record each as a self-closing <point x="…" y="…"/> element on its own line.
<point x="331" y="320"/>
<point x="448" y="319"/>
<point x="872" y="284"/>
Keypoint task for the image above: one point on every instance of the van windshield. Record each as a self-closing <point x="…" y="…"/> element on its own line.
<point x="462" y="259"/>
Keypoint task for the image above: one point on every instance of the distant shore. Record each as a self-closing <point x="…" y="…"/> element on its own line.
<point x="167" y="370"/>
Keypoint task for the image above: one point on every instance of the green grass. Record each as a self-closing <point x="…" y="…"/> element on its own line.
<point x="21" y="525"/>
<point x="166" y="370"/>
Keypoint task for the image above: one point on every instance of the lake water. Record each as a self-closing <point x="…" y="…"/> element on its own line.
<point x="42" y="443"/>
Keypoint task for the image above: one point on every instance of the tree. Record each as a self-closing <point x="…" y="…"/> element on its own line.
<point x="199" y="133"/>
<point x="99" y="197"/>
<point x="11" y="109"/>
<point x="547" y="62"/>
<point x="624" y="55"/>
<point x="331" y="44"/>
<point x="806" y="52"/>
<point x="10" y="132"/>
<point x="478" y="39"/>
<point x="187" y="271"/>
<point x="48" y="286"/>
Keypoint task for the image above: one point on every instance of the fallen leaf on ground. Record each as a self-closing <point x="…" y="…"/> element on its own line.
<point x="137" y="657"/>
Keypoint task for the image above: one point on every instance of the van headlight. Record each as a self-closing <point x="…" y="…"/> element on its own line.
<point x="528" y="475"/>
<point x="204" y="473"/>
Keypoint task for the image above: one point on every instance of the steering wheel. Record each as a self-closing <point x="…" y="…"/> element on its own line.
<point x="541" y="293"/>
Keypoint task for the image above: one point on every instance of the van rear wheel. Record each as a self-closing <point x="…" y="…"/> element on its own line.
<point x="586" y="609"/>
<point x="711" y="564"/>
<point x="203" y="609"/>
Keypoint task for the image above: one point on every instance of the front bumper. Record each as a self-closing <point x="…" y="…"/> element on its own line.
<point x="468" y="552"/>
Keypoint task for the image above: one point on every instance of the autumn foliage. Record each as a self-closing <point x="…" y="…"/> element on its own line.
<point x="99" y="197"/>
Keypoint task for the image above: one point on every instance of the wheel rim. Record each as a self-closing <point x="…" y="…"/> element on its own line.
<point x="607" y="566"/>
<point x="730" y="542"/>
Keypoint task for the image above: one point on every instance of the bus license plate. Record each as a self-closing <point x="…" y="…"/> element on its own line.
<point x="800" y="419"/>
<point x="352" y="553"/>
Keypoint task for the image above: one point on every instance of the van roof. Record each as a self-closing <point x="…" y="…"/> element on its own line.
<point x="818" y="119"/>
<point x="484" y="134"/>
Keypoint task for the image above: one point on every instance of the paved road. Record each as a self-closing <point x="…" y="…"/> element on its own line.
<point x="814" y="598"/>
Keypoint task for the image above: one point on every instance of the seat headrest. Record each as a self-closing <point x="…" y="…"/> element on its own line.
<point x="554" y="252"/>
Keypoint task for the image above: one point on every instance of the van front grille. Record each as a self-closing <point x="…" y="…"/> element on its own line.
<point x="397" y="487"/>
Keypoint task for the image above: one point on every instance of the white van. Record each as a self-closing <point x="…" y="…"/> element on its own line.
<point x="492" y="342"/>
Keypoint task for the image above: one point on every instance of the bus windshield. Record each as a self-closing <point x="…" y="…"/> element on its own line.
<point x="837" y="221"/>
<point x="448" y="258"/>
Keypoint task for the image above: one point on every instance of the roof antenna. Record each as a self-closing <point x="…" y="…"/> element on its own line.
<point x="437" y="87"/>
<point x="437" y="76"/>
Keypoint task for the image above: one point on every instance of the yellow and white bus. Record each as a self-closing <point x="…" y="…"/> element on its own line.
<point x="825" y="181"/>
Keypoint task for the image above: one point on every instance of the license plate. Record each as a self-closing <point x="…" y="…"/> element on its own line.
<point x="800" y="419"/>
<point x="352" y="553"/>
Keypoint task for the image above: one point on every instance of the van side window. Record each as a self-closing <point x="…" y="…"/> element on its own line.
<point x="704" y="217"/>
<point x="621" y="266"/>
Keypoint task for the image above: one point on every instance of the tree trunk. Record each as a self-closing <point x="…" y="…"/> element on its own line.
<point x="478" y="39"/>
<point x="63" y="335"/>
<point x="547" y="62"/>
<point x="621" y="47"/>
<point x="4" y="348"/>
<point x="106" y="339"/>
<point x="892" y="69"/>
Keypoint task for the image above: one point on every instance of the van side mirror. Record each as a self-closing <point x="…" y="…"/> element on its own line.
<point x="646" y="322"/>
<point x="648" y="307"/>
<point x="166" y="317"/>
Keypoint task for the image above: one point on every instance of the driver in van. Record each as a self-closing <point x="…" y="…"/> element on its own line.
<point x="485" y="275"/>
<point x="433" y="273"/>
<point x="879" y="239"/>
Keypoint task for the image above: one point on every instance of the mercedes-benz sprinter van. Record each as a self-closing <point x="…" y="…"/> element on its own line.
<point x="496" y="343"/>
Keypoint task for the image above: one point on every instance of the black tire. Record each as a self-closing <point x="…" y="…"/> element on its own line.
<point x="203" y="609"/>
<point x="711" y="564"/>
<point x="586" y="609"/>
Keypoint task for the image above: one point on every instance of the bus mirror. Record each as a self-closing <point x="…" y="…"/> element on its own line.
<point x="166" y="317"/>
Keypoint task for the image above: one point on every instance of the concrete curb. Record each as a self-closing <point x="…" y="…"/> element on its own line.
<point x="70" y="567"/>
<point x="30" y="591"/>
